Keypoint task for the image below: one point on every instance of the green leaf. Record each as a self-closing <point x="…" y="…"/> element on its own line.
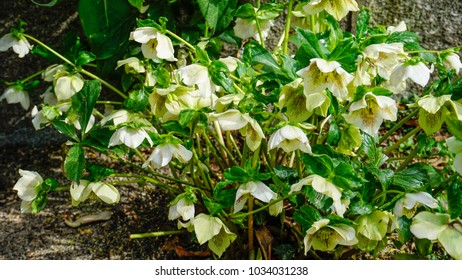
<point x="285" y="172"/>
<point x="236" y="174"/>
<point x="107" y="25"/>
<point x="219" y="73"/>
<point x="217" y="13"/>
<point x="84" y="57"/>
<point x="66" y="129"/>
<point x="404" y="229"/>
<point x="269" y="11"/>
<point x="98" y="172"/>
<point x="137" y="4"/>
<point x="320" y="201"/>
<point x="174" y="126"/>
<point x="285" y="251"/>
<point x="454" y="194"/>
<point x="333" y="136"/>
<point x="423" y="246"/>
<point x="192" y="118"/>
<point x="212" y="206"/>
<point x="411" y="178"/>
<point x="346" y="53"/>
<point x="245" y="11"/>
<point x="84" y="101"/>
<point x="202" y="55"/>
<point x="306" y="216"/>
<point x="162" y="76"/>
<point x="369" y="147"/>
<point x="409" y="39"/>
<point x="255" y="54"/>
<point x="74" y="163"/>
<point x="39" y="202"/>
<point x="453" y="124"/>
<point x="359" y="207"/>
<point x="346" y="177"/>
<point x="137" y="100"/>
<point x="362" y="23"/>
<point x="308" y="46"/>
<point x="321" y="165"/>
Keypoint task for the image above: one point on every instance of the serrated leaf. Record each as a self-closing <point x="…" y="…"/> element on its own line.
<point x="236" y="174"/>
<point x="308" y="46"/>
<point x="137" y="100"/>
<point x="98" y="172"/>
<point x="84" y="101"/>
<point x="219" y="73"/>
<point x="409" y="39"/>
<point x="66" y="129"/>
<point x="217" y="13"/>
<point x="306" y="216"/>
<point x="137" y="4"/>
<point x="84" y="57"/>
<point x="321" y="165"/>
<point x="74" y="163"/>
<point x="346" y="177"/>
<point x="255" y="54"/>
<point x="404" y="229"/>
<point x="362" y="23"/>
<point x="285" y="173"/>
<point x="245" y="11"/>
<point x="454" y="194"/>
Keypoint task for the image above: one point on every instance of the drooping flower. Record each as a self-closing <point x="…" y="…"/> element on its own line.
<point x="437" y="226"/>
<point x="28" y="187"/>
<point x="246" y="28"/>
<point x="289" y="138"/>
<point x="299" y="104"/>
<point x="336" y="8"/>
<point x="324" y="237"/>
<point x="213" y="230"/>
<point x="256" y="189"/>
<point x="378" y="59"/>
<point x="408" y="204"/>
<point x="234" y="120"/>
<point x="322" y="74"/>
<point x="15" y="94"/>
<point x="370" y="111"/>
<point x="163" y="154"/>
<point x="324" y="186"/>
<point x="103" y="190"/>
<point x="418" y="73"/>
<point x="65" y="84"/>
<point x="196" y="74"/>
<point x="455" y="146"/>
<point x="183" y="208"/>
<point x="153" y="43"/>
<point x="19" y="44"/>
<point x="432" y="111"/>
<point x="131" y="65"/>
<point x="451" y="61"/>
<point x="372" y="228"/>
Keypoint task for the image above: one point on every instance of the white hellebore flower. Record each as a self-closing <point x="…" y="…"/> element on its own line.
<point x="408" y="204"/>
<point x="324" y="237"/>
<point x="289" y="138"/>
<point x="27" y="187"/>
<point x="324" y="186"/>
<point x="247" y="28"/>
<point x="379" y="59"/>
<point x="196" y="74"/>
<point x="419" y="73"/>
<point x="437" y="226"/>
<point x="20" y="45"/>
<point x="455" y="146"/>
<point x="256" y="189"/>
<point x="131" y="65"/>
<point x="213" y="230"/>
<point x="401" y="27"/>
<point x="104" y="191"/>
<point x="322" y="74"/>
<point x="153" y="43"/>
<point x="369" y="112"/>
<point x="183" y="208"/>
<point x="336" y="8"/>
<point x="15" y="94"/>
<point x="452" y="62"/>
<point x="248" y="127"/>
<point x="163" y="154"/>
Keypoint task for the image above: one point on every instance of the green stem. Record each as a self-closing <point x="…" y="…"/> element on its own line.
<point x="32" y="76"/>
<point x="108" y="85"/>
<point x="157" y="234"/>
<point x="398" y="125"/>
<point x="218" y="156"/>
<point x="408" y="159"/>
<point x="205" y="179"/>
<point x="260" y="34"/>
<point x="285" y="45"/>
<point x="405" y="137"/>
<point x="250" y="229"/>
<point x="243" y="215"/>
<point x="110" y="102"/>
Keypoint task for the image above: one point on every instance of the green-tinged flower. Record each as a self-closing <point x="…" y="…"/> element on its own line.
<point x="16" y="94"/>
<point x="370" y="111"/>
<point x="103" y="190"/>
<point x="163" y="154"/>
<point x="336" y="8"/>
<point x="372" y="228"/>
<point x="289" y="138"/>
<point x="324" y="186"/>
<point x="154" y="44"/>
<point x="324" y="237"/>
<point x="436" y="226"/>
<point x="198" y="75"/>
<point x="256" y="189"/>
<point x="213" y="230"/>
<point x="322" y="74"/>
<point x="131" y="65"/>
<point x="183" y="208"/>
<point x="455" y="146"/>
<point x="65" y="84"/>
<point x="299" y="104"/>
<point x="451" y="61"/>
<point x="28" y="187"/>
<point x="378" y="59"/>
<point x="19" y="44"/>
<point x="247" y="28"/>
<point x="248" y="127"/>
<point x="408" y="204"/>
<point x="418" y="73"/>
<point x="225" y="101"/>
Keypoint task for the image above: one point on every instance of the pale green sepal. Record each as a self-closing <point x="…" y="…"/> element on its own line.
<point x="451" y="239"/>
<point x="206" y="227"/>
<point x="429" y="122"/>
<point x="220" y="242"/>
<point x="428" y="225"/>
<point x="373" y="226"/>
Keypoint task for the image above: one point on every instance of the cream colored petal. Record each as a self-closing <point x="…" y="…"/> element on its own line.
<point x="165" y="48"/>
<point x="106" y="192"/>
<point x="428" y="225"/>
<point x="206" y="227"/>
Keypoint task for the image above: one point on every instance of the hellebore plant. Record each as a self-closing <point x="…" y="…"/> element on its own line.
<point x="317" y="143"/>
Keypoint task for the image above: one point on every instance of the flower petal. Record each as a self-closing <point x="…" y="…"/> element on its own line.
<point x="428" y="225"/>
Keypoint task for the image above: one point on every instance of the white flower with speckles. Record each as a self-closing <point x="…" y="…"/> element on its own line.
<point x="325" y="237"/>
<point x="336" y="8"/>
<point x="407" y="205"/>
